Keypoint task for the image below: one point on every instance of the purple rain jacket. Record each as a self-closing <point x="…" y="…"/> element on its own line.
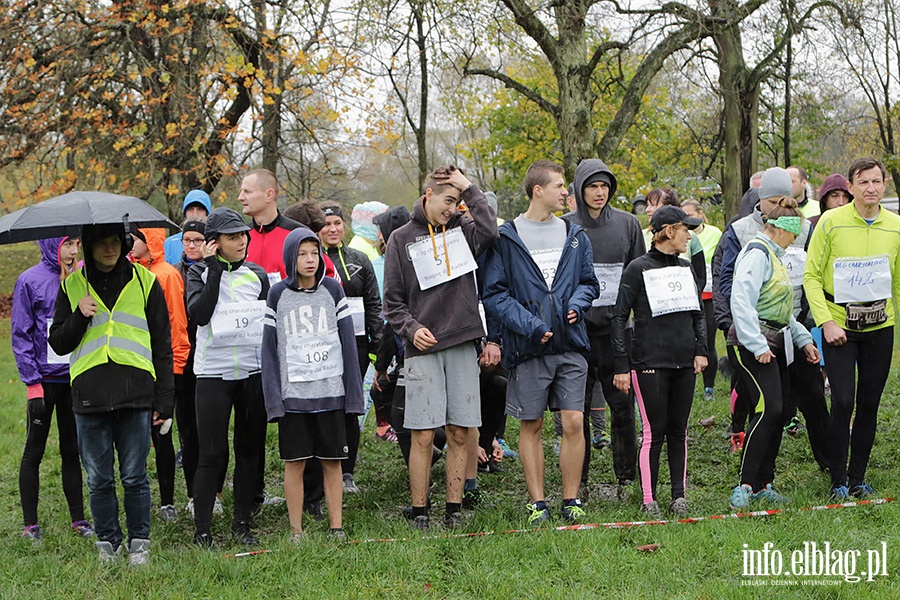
<point x="34" y="298"/>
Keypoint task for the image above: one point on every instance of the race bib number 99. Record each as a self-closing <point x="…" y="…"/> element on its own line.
<point x="671" y="289"/>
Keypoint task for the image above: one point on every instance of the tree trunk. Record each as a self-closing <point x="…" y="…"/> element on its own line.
<point x="788" y="63"/>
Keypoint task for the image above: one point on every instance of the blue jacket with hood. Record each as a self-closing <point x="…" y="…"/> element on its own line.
<point x="288" y="308"/>
<point x="516" y="295"/>
<point x="172" y="246"/>
<point x="34" y="297"/>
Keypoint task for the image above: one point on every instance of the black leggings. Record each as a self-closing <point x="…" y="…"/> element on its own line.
<point x="57" y="395"/>
<point x="741" y="408"/>
<point x="866" y="358"/>
<point x="186" y="419"/>
<point x="664" y="397"/>
<point x="493" y="407"/>
<point x="808" y="391"/>
<point x="165" y="464"/>
<point x="214" y="401"/>
<point x="601" y="368"/>
<point x="709" y="373"/>
<point x="766" y="386"/>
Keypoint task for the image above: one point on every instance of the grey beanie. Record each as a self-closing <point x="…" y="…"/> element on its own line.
<point x="776" y="182"/>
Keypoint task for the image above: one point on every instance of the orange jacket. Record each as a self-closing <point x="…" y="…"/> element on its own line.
<point x="173" y="288"/>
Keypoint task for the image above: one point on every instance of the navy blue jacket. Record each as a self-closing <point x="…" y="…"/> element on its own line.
<point x="516" y="295"/>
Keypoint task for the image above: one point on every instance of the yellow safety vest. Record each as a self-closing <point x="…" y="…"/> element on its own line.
<point x="121" y="335"/>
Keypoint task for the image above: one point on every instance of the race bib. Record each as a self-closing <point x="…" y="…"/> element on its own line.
<point x="358" y="313"/>
<point x="671" y="289"/>
<point x="547" y="261"/>
<point x="433" y="270"/>
<point x="273" y="278"/>
<point x="788" y="346"/>
<point x="238" y="323"/>
<point x="863" y="279"/>
<point x="707" y="289"/>
<point x="311" y="358"/>
<point x="794" y="261"/>
<point x="609" y="276"/>
<point x="52" y="357"/>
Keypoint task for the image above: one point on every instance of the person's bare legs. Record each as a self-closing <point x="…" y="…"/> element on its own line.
<point x="457" y="455"/>
<point x="472" y="454"/>
<point x="420" y="465"/>
<point x="571" y="454"/>
<point x="293" y="493"/>
<point x="334" y="491"/>
<point x="531" y="453"/>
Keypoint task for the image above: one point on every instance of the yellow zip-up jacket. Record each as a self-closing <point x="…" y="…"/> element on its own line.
<point x="842" y="233"/>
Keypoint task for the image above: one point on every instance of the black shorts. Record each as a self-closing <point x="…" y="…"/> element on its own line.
<point x="322" y="435"/>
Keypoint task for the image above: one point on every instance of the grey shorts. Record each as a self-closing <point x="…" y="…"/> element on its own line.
<point x="556" y="382"/>
<point x="442" y="388"/>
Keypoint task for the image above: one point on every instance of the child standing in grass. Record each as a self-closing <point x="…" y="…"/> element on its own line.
<point x="309" y="377"/>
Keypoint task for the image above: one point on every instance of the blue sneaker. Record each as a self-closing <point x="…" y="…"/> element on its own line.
<point x="770" y="494"/>
<point x="740" y="497"/>
<point x="840" y="493"/>
<point x="708" y="394"/>
<point x="507" y="451"/>
<point x="33" y="533"/>
<point x="537" y="515"/>
<point x="863" y="490"/>
<point x="574" y="512"/>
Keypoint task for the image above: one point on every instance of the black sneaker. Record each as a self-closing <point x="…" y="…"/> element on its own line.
<point x="242" y="533"/>
<point x="472" y="498"/>
<point x="203" y="539"/>
<point x="314" y="509"/>
<point x="421" y="523"/>
<point x="453" y="520"/>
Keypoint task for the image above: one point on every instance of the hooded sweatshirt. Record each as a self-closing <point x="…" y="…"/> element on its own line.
<point x="34" y="297"/>
<point x="111" y="386"/>
<point x="172" y="245"/>
<point x="173" y="289"/>
<point x="616" y="239"/>
<point x="309" y="350"/>
<point x="449" y="310"/>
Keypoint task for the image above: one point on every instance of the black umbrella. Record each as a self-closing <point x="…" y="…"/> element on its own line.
<point x="65" y="216"/>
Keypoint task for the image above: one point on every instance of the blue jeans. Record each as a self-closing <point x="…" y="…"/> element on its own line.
<point x="128" y="431"/>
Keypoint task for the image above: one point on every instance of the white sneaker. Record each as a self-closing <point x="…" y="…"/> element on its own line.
<point x="106" y="552"/>
<point x="190" y="507"/>
<point x="168" y="513"/>
<point x="270" y="499"/>
<point x="139" y="553"/>
<point x="217" y="507"/>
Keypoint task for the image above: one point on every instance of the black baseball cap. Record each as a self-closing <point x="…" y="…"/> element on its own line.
<point x="672" y="215"/>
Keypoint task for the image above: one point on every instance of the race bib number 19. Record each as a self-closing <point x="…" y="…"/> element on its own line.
<point x="238" y="323"/>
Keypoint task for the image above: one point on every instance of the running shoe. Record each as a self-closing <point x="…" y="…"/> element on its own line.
<point x="270" y="499"/>
<point x="106" y="553"/>
<point x="33" y="533"/>
<point x="573" y="512"/>
<point x="491" y="466"/>
<point x="139" y="553"/>
<point x="217" y="507"/>
<point x="601" y="441"/>
<point x="168" y="513"/>
<point x="840" y="493"/>
<point x="243" y="534"/>
<point x="203" y="539"/>
<point x="708" y="394"/>
<point x="190" y="507"/>
<point x="652" y="510"/>
<point x="337" y="534"/>
<point x="863" y="490"/>
<point x="537" y="515"/>
<point x="350" y="485"/>
<point x="452" y="520"/>
<point x="623" y="490"/>
<point x="83" y="528"/>
<point x="737" y="442"/>
<point x="794" y="426"/>
<point x="507" y="451"/>
<point x="315" y="510"/>
<point x="679" y="507"/>
<point x="472" y="498"/>
<point x="386" y="433"/>
<point x="740" y="497"/>
<point x="421" y="523"/>
<point x="770" y="494"/>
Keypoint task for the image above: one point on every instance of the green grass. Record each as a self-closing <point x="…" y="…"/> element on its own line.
<point x="699" y="560"/>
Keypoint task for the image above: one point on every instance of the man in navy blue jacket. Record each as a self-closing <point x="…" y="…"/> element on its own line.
<point x="539" y="283"/>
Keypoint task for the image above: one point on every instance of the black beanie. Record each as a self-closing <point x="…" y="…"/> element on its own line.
<point x="599" y="176"/>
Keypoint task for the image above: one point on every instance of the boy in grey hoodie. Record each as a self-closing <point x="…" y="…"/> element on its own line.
<point x="310" y="375"/>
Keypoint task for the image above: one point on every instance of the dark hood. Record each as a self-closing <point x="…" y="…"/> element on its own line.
<point x="391" y="220"/>
<point x="292" y="246"/>
<point x="107" y="284"/>
<point x="585" y="170"/>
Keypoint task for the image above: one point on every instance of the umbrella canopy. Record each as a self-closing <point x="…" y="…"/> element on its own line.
<point x="65" y="216"/>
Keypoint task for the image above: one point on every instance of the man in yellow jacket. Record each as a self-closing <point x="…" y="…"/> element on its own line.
<point x="852" y="279"/>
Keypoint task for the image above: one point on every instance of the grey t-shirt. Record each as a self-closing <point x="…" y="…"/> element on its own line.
<point x="545" y="241"/>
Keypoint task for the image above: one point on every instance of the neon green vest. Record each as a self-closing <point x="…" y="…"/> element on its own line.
<point x="776" y="298"/>
<point x="121" y="335"/>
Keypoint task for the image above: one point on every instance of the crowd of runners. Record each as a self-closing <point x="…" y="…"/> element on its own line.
<point x="448" y="320"/>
